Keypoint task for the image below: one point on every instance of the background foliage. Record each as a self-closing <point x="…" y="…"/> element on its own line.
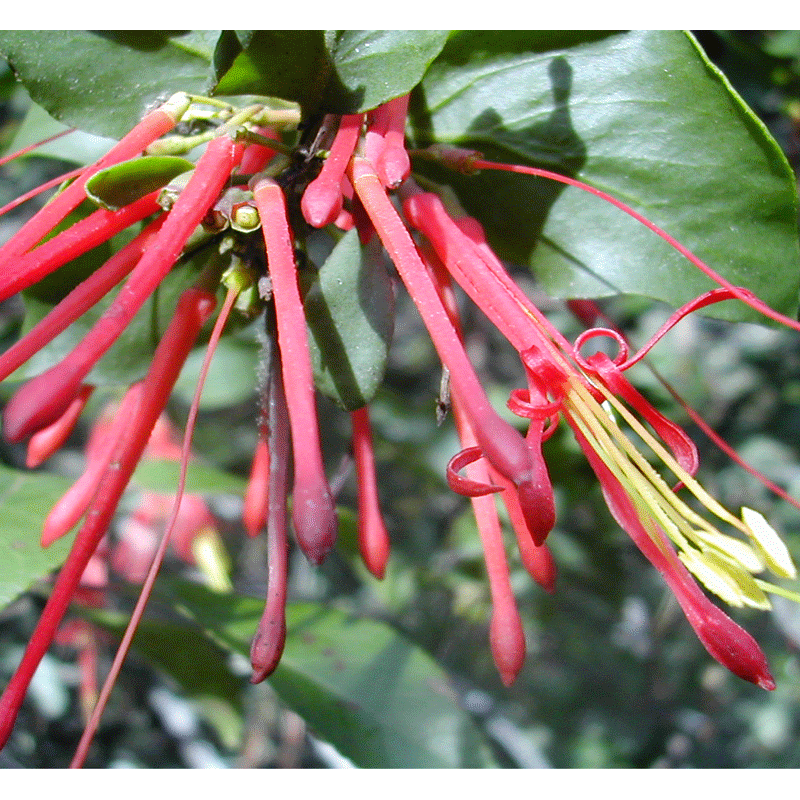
<point x="398" y="673"/>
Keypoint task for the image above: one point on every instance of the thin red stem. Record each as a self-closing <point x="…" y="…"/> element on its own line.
<point x="23" y="198"/>
<point x="23" y="151"/>
<point x="744" y="295"/>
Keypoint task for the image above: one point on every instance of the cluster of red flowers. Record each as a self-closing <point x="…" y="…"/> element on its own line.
<point x="363" y="182"/>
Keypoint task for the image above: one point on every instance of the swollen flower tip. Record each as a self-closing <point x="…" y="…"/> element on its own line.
<point x="733" y="647"/>
<point x="315" y="520"/>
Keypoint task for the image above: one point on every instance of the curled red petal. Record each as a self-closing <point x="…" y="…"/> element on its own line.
<point x="466" y="486"/>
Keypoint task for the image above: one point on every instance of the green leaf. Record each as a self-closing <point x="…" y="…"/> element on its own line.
<point x="641" y="115"/>
<point x="372" y="67"/>
<point x="338" y="72"/>
<point x="275" y="64"/>
<point x="376" y="697"/>
<point x="157" y="475"/>
<point x="124" y="183"/>
<point x="25" y="498"/>
<point x="349" y="311"/>
<point x="104" y="81"/>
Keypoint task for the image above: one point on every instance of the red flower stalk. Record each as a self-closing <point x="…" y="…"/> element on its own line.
<point x="270" y="636"/>
<point x="313" y="513"/>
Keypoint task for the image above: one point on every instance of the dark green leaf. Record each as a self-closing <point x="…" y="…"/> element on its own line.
<point x="104" y="81"/>
<point x="25" y="499"/>
<point x="349" y="310"/>
<point x="338" y="72"/>
<point x="124" y="183"/>
<point x="156" y="475"/>
<point x="283" y="64"/>
<point x="358" y="684"/>
<point x="372" y="67"/>
<point x="641" y="115"/>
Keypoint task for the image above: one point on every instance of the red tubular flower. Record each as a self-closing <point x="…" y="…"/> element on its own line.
<point x="48" y="440"/>
<point x="313" y="513"/>
<point x="322" y="199"/>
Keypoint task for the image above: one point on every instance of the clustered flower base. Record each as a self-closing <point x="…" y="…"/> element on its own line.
<point x="256" y="200"/>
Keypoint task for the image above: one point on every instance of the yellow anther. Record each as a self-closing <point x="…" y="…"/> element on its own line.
<point x="212" y="559"/>
<point x="769" y="543"/>
<point x="718" y="582"/>
<point x="732" y="549"/>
